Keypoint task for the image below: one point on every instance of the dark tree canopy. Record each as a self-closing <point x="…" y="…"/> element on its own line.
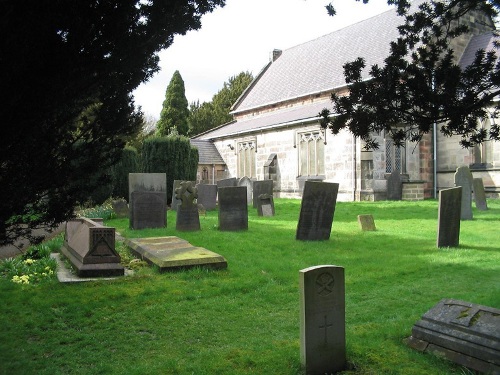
<point x="420" y="83"/>
<point x="175" y="112"/>
<point x="67" y="70"/>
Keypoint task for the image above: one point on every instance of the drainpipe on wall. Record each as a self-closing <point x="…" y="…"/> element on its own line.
<point x="354" y="175"/>
<point x="213" y="173"/>
<point x="434" y="152"/>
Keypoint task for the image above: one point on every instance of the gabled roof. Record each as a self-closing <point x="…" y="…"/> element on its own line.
<point x="484" y="41"/>
<point x="208" y="153"/>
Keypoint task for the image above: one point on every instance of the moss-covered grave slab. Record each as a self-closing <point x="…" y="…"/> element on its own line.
<point x="173" y="253"/>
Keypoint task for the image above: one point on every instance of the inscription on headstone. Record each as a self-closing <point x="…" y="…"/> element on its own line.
<point x="322" y="319"/>
<point x="316" y="210"/>
<point x="261" y="187"/>
<point x="449" y="217"/>
<point x="233" y="208"/>
<point x="479" y="194"/>
<point x="394" y="187"/>
<point x="188" y="218"/>
<point x="149" y="210"/>
<point x="207" y="196"/>
<point x="463" y="178"/>
<point x="265" y="205"/>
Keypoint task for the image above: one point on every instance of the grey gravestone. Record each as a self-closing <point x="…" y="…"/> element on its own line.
<point x="316" y="210"/>
<point x="120" y="208"/>
<point x="233" y="208"/>
<point x="227" y="182"/>
<point x="176" y="201"/>
<point x="146" y="182"/>
<point x="90" y="247"/>
<point x="265" y="205"/>
<point x="463" y="332"/>
<point x="188" y="218"/>
<point x="245" y="181"/>
<point x="394" y="187"/>
<point x="261" y="187"/>
<point x="322" y="319"/>
<point x="463" y="178"/>
<point x="479" y="194"/>
<point x="448" y="233"/>
<point x="207" y="196"/>
<point x="366" y="222"/>
<point x="149" y="210"/>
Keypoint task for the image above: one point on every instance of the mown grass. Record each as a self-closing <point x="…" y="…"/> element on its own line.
<point x="245" y="320"/>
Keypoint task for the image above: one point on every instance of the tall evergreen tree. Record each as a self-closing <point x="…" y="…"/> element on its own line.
<point x="175" y="112"/>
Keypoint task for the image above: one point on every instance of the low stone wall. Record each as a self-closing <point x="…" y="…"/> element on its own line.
<point x="413" y="190"/>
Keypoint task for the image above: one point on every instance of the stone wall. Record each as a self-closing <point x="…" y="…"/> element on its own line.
<point x="413" y="190"/>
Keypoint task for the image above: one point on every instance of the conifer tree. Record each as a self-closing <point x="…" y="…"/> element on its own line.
<point x="174" y="114"/>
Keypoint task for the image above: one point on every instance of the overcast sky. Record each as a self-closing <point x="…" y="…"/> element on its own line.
<point x="240" y="38"/>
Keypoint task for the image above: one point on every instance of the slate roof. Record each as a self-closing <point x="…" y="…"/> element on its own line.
<point x="484" y="41"/>
<point x="208" y="153"/>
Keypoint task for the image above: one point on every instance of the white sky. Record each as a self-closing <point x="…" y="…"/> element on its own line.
<point x="240" y="37"/>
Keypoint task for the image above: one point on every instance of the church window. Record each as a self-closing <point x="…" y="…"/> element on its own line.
<point x="311" y="153"/>
<point x="246" y="159"/>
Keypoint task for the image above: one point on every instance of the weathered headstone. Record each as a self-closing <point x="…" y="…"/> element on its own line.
<point x="248" y="183"/>
<point x="465" y="333"/>
<point x="394" y="187"/>
<point x="265" y="205"/>
<point x="322" y="319"/>
<point x="261" y="187"/>
<point x="175" y="200"/>
<point x="463" y="178"/>
<point x="188" y="218"/>
<point x="90" y="247"/>
<point x="366" y="222"/>
<point x="316" y="210"/>
<point x="120" y="208"/>
<point x="227" y="182"/>
<point x="147" y="200"/>
<point x="207" y="196"/>
<point x="233" y="208"/>
<point x="479" y="194"/>
<point x="448" y="233"/>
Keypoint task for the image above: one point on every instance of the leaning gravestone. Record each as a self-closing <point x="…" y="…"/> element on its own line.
<point x="261" y="187"/>
<point x="394" y="187"/>
<point x="322" y="319"/>
<point x="366" y="222"/>
<point x="265" y="205"/>
<point x="316" y="210"/>
<point x="175" y="200"/>
<point x="248" y="183"/>
<point x="463" y="332"/>
<point x="147" y="200"/>
<point x="207" y="196"/>
<point x="479" y="194"/>
<point x="448" y="233"/>
<point x="463" y="178"/>
<point x="188" y="218"/>
<point x="233" y="208"/>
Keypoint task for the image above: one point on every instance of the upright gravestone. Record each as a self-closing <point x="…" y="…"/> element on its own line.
<point x="394" y="187"/>
<point x="322" y="319"/>
<point x="227" y="182"/>
<point x="175" y="201"/>
<point x="261" y="187"/>
<point x="233" y="208"/>
<point x="463" y="178"/>
<point x="265" y="205"/>
<point x="248" y="183"/>
<point x="148" y="200"/>
<point x="366" y="222"/>
<point x="120" y="208"/>
<point x="207" y="196"/>
<point x="316" y="210"/>
<point x="479" y="194"/>
<point x="188" y="218"/>
<point x="449" y="217"/>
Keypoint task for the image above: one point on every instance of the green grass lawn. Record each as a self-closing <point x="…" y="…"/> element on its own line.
<point x="245" y="320"/>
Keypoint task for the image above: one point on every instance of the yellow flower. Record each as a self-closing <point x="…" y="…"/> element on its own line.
<point x="29" y="261"/>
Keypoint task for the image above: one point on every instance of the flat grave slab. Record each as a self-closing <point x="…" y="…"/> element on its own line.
<point x="173" y="253"/>
<point x="463" y="332"/>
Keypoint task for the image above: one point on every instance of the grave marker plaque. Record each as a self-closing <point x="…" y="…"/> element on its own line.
<point x="316" y="211"/>
<point x="479" y="194"/>
<point x="322" y="319"/>
<point x="233" y="208"/>
<point x="463" y="178"/>
<point x="449" y="217"/>
<point x="149" y="210"/>
<point x="207" y="196"/>
<point x="261" y="187"/>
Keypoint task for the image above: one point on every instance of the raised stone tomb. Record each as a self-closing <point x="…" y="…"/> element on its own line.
<point x="90" y="247"/>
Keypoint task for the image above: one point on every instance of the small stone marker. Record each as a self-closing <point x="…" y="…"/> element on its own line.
<point x="316" y="211"/>
<point x="465" y="333"/>
<point x="463" y="178"/>
<point x="479" y="194"/>
<point x="265" y="205"/>
<point x="149" y="210"/>
<point x="322" y="319"/>
<point x="449" y="217"/>
<point x="233" y="208"/>
<point x="394" y="187"/>
<point x="207" y="196"/>
<point x="366" y="222"/>
<point x="261" y="187"/>
<point x="120" y="208"/>
<point x="188" y="217"/>
<point x="248" y="183"/>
